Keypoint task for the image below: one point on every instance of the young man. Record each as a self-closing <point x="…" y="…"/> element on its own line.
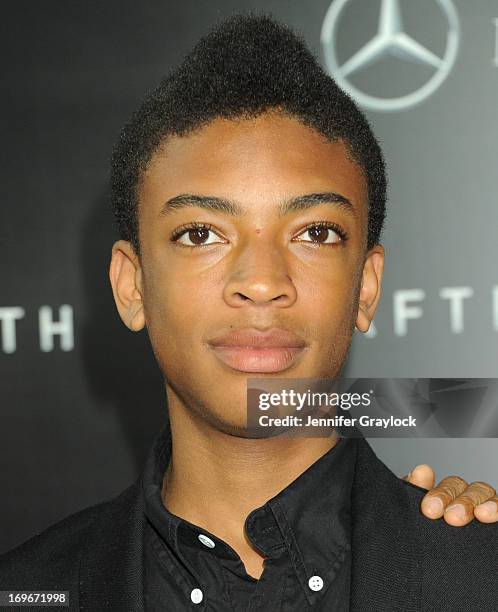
<point x="250" y="195"/>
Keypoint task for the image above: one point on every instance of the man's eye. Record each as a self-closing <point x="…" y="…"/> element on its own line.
<point x="318" y="233"/>
<point x="323" y="233"/>
<point x="194" y="236"/>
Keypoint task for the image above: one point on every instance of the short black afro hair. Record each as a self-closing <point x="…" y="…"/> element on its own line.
<point x="245" y="66"/>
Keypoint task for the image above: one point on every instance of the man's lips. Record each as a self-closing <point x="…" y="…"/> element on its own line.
<point x="250" y="350"/>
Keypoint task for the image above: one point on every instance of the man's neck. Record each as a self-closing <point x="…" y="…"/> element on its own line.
<point x="214" y="480"/>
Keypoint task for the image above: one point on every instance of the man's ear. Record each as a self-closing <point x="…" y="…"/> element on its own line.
<point x="371" y="281"/>
<point x="125" y="274"/>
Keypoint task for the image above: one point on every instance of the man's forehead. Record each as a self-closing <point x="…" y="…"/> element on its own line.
<point x="265" y="132"/>
<point x="272" y="153"/>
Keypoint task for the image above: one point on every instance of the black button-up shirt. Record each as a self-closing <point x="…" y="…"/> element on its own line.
<point x="304" y="533"/>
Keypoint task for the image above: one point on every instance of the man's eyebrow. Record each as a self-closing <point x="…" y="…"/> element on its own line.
<point x="185" y="200"/>
<point x="314" y="199"/>
<point x="230" y="207"/>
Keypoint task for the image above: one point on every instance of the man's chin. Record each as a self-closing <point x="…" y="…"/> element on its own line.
<point x="242" y="431"/>
<point x="232" y="424"/>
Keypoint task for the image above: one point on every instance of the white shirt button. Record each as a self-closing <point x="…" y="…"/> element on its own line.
<point x="315" y="583"/>
<point x="206" y="541"/>
<point x="196" y="596"/>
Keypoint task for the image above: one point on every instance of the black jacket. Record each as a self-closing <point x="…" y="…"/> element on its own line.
<point x="401" y="560"/>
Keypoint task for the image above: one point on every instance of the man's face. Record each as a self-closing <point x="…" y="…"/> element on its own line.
<point x="259" y="269"/>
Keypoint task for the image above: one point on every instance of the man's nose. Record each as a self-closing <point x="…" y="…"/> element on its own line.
<point x="260" y="275"/>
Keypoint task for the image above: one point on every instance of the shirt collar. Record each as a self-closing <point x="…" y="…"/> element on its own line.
<point x="311" y="516"/>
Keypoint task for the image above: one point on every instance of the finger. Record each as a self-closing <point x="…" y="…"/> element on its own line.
<point x="422" y="476"/>
<point x="434" y="503"/>
<point x="461" y="511"/>
<point x="487" y="512"/>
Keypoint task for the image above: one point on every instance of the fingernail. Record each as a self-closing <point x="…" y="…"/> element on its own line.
<point x="434" y="505"/>
<point x="458" y="511"/>
<point x="490" y="508"/>
<point x="419" y="467"/>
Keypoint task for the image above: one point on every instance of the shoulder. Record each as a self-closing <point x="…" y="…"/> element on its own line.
<point x="458" y="564"/>
<point x="460" y="561"/>
<point x="451" y="568"/>
<point x="438" y="538"/>
<point x="435" y="532"/>
<point x="51" y="558"/>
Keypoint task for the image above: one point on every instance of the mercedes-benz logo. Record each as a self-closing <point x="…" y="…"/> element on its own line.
<point x="390" y="39"/>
